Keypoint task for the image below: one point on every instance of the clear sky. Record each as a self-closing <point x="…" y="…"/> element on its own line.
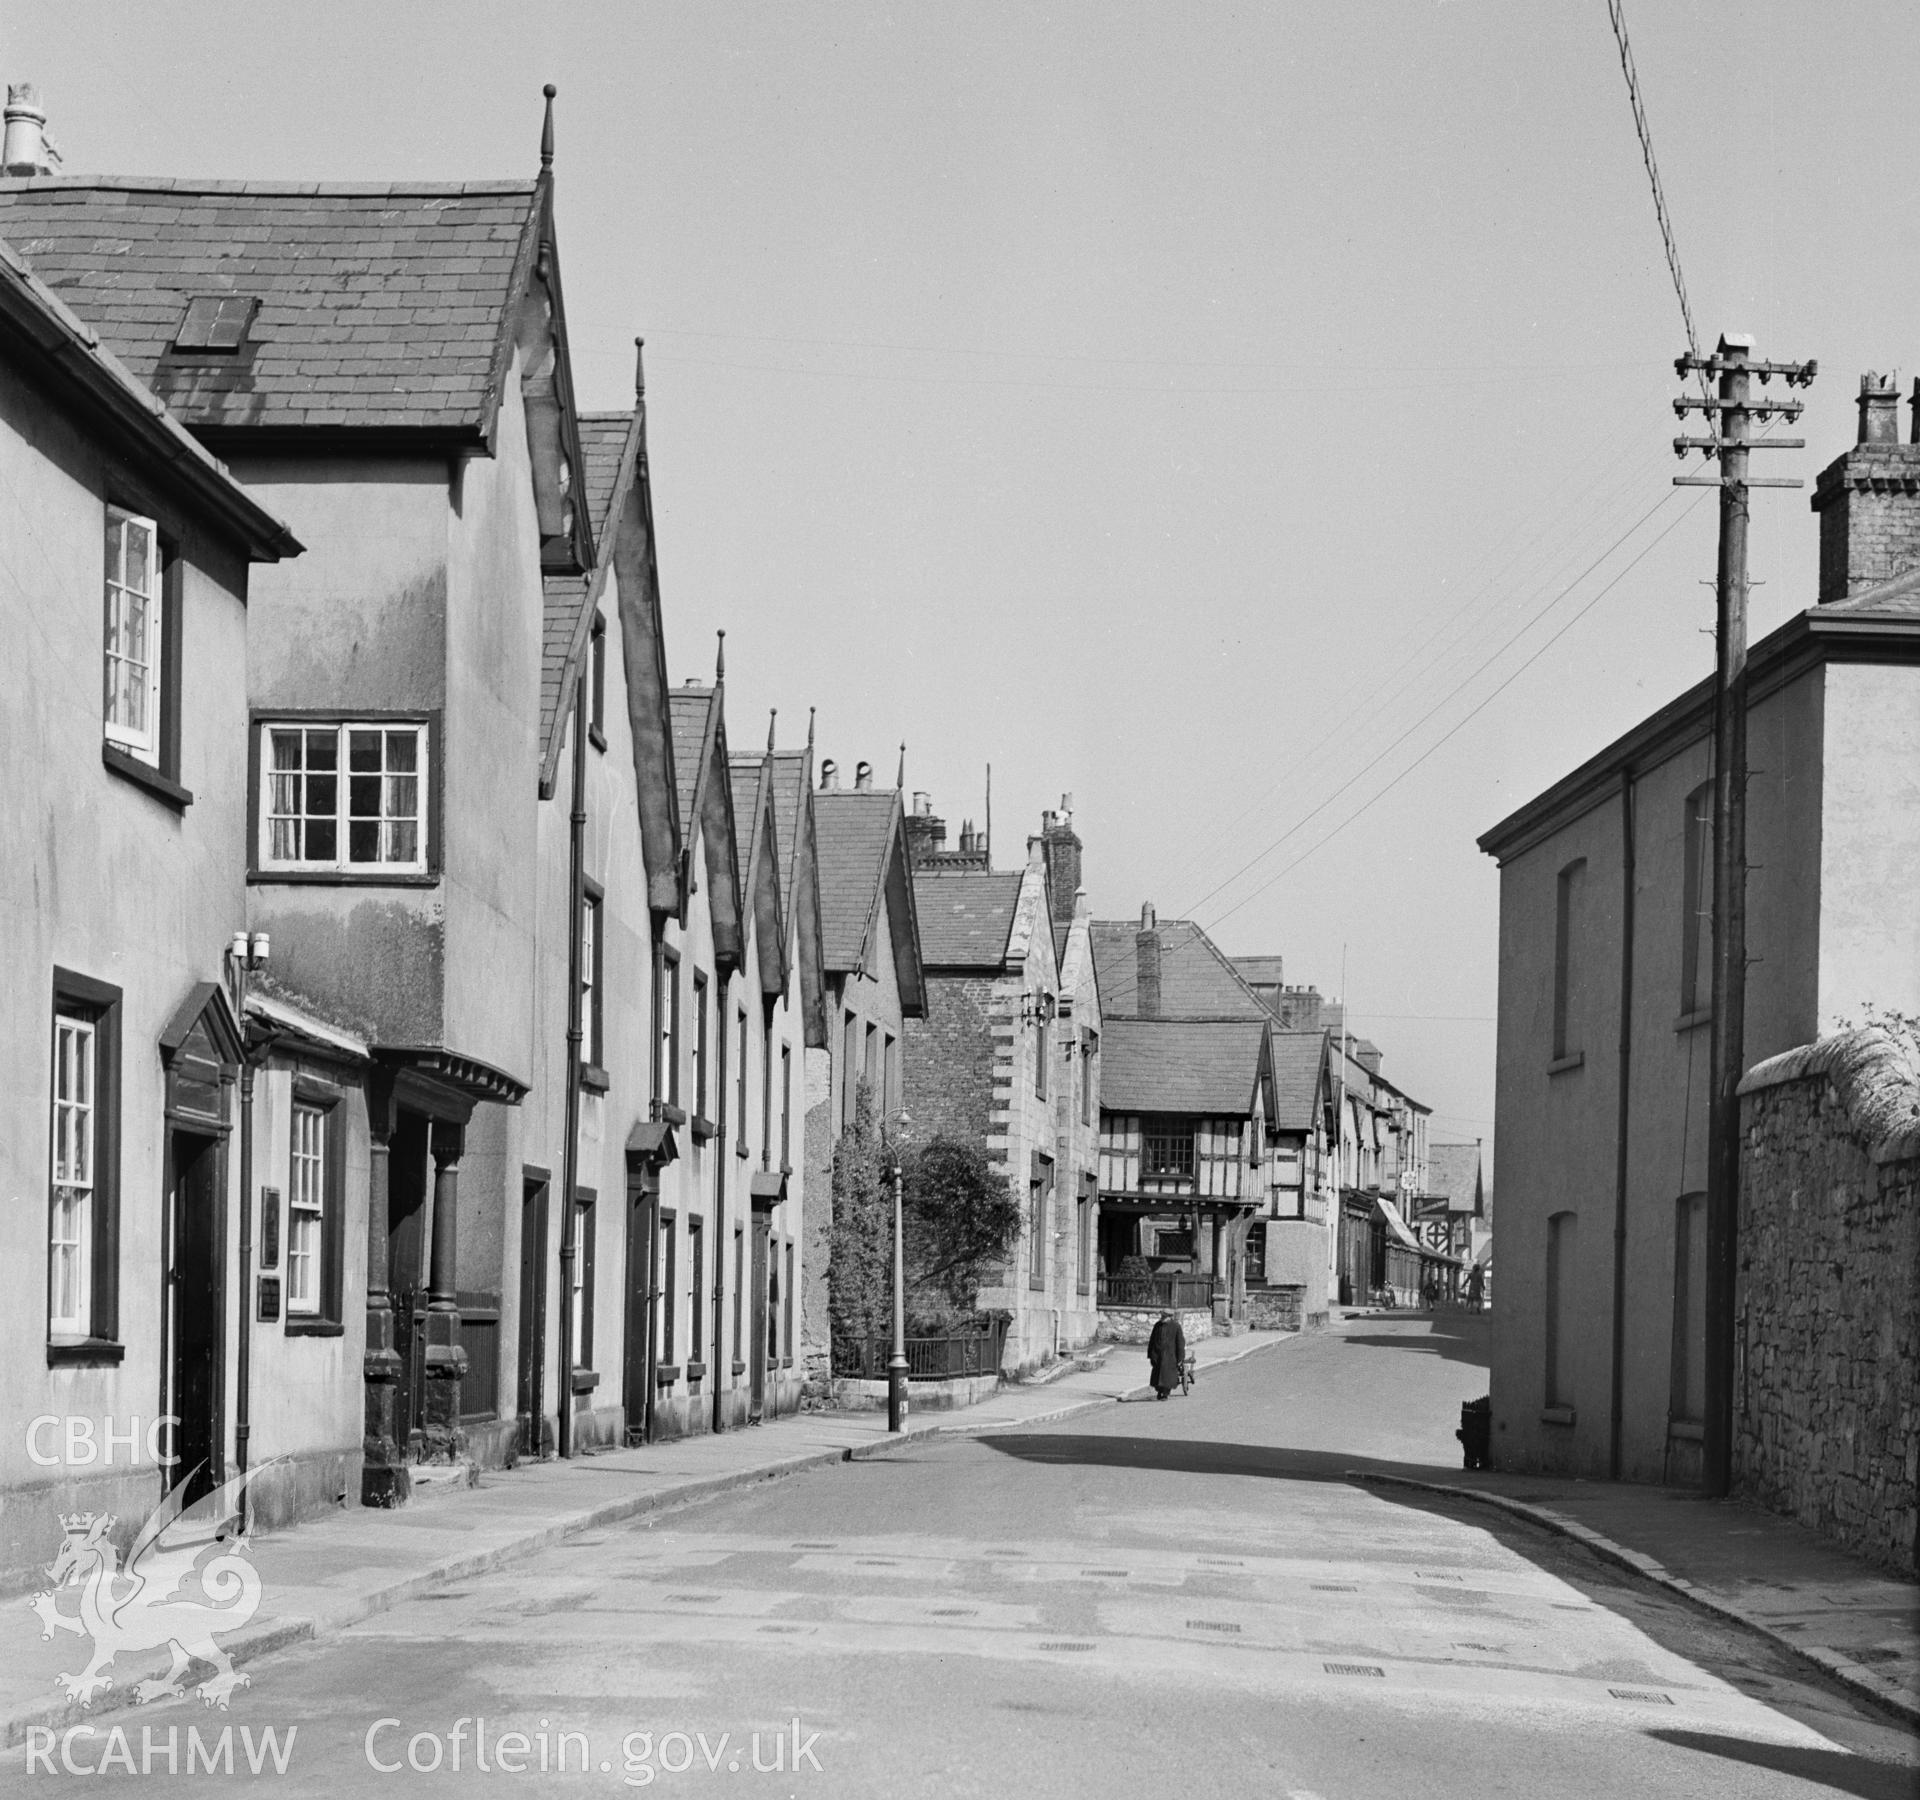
<point x="1199" y="409"/>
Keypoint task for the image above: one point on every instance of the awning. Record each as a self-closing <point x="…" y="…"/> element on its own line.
<point x="1398" y="1226"/>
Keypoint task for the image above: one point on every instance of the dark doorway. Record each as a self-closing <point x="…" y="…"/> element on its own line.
<point x="407" y="1274"/>
<point x="533" y="1316"/>
<point x="195" y="1283"/>
<point x="757" y="1327"/>
<point x="637" y="1323"/>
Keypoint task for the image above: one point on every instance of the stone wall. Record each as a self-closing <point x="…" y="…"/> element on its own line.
<point x="1827" y="1407"/>
<point x="1134" y="1324"/>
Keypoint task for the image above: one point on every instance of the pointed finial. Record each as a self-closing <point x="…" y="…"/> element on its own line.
<point x="639" y="368"/>
<point x="720" y="659"/>
<point x="900" y="780"/>
<point x="546" y="129"/>
<point x="810" y="712"/>
<point x="773" y="713"/>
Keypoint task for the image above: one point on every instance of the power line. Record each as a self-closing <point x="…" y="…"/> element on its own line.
<point x="1617" y="14"/>
<point x="1452" y="730"/>
<point x="1446" y="699"/>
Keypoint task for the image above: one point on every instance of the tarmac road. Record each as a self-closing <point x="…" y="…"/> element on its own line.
<point x="1151" y="1599"/>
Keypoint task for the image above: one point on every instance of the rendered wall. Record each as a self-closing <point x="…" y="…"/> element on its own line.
<point x="101" y="878"/>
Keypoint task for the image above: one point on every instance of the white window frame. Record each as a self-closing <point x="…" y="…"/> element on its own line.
<point x="73" y="1175"/>
<point x="307" y="1175"/>
<point x="142" y="742"/>
<point x="343" y="817"/>
<point x="590" y="1020"/>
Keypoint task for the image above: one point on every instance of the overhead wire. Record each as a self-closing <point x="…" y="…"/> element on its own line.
<point x="1439" y="705"/>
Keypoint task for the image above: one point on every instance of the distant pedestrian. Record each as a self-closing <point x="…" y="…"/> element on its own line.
<point x="1166" y="1351"/>
<point x="1476" y="1286"/>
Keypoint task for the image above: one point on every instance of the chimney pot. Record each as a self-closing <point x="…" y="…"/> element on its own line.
<point x="1879" y="409"/>
<point x="829" y="776"/>
<point x="1146" y="916"/>
<point x="862" y="777"/>
<point x="923" y="805"/>
<point x="25" y="148"/>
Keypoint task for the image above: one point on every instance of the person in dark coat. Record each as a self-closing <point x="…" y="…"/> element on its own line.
<point x="1166" y="1351"/>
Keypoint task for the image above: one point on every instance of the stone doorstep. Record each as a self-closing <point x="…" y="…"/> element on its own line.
<point x="1895" y="1693"/>
<point x="265" y="1635"/>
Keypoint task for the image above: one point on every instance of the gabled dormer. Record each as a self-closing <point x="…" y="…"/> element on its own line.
<point x="705" y="787"/>
<point x="800" y="884"/>
<point x="760" y="865"/>
<point x="619" y="501"/>
<point x="534" y="340"/>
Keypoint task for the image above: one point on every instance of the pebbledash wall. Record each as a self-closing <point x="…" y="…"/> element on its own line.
<point x="1827" y="1419"/>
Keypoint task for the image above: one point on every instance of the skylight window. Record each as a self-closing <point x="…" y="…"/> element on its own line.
<point x="216" y="324"/>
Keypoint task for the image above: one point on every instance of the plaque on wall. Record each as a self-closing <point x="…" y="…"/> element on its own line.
<point x="269" y="1298"/>
<point x="269" y="1228"/>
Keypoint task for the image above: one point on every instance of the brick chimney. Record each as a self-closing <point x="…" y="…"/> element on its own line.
<point x="1146" y="959"/>
<point x="1062" y="847"/>
<point x="926" y="834"/>
<point x="26" y="149"/>
<point x="1869" y="499"/>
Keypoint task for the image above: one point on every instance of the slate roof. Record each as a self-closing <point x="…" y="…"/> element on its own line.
<point x="603" y="436"/>
<point x="380" y="306"/>
<point x="1454" y="1170"/>
<point x="562" y="597"/>
<point x="966" y="916"/>
<point x="688" y="708"/>
<point x="1266" y="971"/>
<point x="1901" y="595"/>
<point x="745" y="776"/>
<point x="1180" y="1065"/>
<point x="1298" y="1059"/>
<point x="789" y="794"/>
<point x="1197" y="979"/>
<point x="142" y="424"/>
<point x="851" y="831"/>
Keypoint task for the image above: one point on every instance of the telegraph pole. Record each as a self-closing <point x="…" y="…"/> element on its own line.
<point x="1730" y="412"/>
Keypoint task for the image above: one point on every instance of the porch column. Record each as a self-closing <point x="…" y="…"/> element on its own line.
<point x="383" y="1472"/>
<point x="446" y="1361"/>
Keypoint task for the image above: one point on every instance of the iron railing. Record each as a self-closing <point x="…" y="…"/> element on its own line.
<point x="1174" y="1293"/>
<point x="959" y="1354"/>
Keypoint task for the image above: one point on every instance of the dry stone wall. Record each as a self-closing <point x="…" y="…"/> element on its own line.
<point x="1827" y="1409"/>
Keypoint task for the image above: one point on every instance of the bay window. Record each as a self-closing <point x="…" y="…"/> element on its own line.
<point x="343" y="797"/>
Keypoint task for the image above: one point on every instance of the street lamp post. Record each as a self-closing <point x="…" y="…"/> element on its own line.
<point x="897" y="1362"/>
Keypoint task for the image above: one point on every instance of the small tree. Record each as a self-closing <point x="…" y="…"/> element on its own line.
<point x="860" y="1245"/>
<point x="962" y="1218"/>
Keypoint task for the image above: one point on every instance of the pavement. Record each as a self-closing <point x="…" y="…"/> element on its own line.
<point x="1858" y="1626"/>
<point x="328" y="1574"/>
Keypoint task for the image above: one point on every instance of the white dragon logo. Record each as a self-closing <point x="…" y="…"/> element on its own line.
<point x="141" y="1607"/>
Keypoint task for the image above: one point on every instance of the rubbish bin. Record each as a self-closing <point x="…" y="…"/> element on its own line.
<point x="1476" y="1431"/>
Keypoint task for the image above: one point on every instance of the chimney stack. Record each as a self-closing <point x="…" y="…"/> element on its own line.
<point x="1869" y="499"/>
<point x="1146" y="959"/>
<point x="26" y="148"/>
<point x="1062" y="846"/>
<point x="926" y="834"/>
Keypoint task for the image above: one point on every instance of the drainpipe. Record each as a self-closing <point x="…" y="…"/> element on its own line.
<point x="248" y="952"/>
<point x="1621" y="1137"/>
<point x="570" y="1150"/>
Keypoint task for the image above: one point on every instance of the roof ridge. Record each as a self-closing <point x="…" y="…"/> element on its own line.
<point x="182" y="184"/>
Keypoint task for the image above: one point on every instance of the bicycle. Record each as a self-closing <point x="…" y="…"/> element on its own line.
<point x="1189" y="1373"/>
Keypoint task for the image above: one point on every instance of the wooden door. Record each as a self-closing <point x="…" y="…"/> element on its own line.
<point x="760" y="1321"/>
<point x="532" y="1393"/>
<point x="195" y="1289"/>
